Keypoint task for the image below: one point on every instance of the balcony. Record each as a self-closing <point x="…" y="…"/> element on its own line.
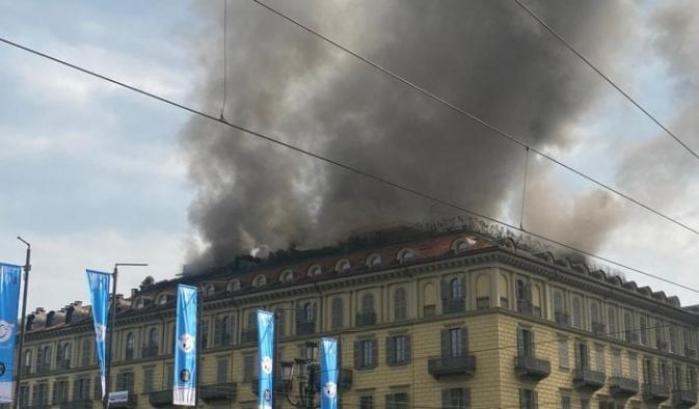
<point x="588" y="380"/>
<point x="529" y="367"/>
<point x="218" y="393"/>
<point x="464" y="365"/>
<point x="77" y="404"/>
<point x="684" y="399"/>
<point x="655" y="393"/>
<point x="622" y="388"/>
<point x="149" y="351"/>
<point x="453" y="305"/>
<point x="279" y="386"/>
<point x="562" y="318"/>
<point x="248" y="336"/>
<point x="366" y="319"/>
<point x="305" y="327"/>
<point x="599" y="329"/>
<point x="129" y="403"/>
<point x="160" y="399"/>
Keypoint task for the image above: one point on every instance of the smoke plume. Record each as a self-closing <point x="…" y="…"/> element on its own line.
<point x="487" y="57"/>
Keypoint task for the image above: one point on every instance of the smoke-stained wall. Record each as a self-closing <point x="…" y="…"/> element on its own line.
<point x="487" y="57"/>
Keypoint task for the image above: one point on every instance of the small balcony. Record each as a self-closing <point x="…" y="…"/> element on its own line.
<point x="622" y="388"/>
<point x="149" y="351"/>
<point x="77" y="404"/>
<point x="532" y="368"/>
<point x="599" y="329"/>
<point x="366" y="319"/>
<point x="453" y="305"/>
<point x="129" y="403"/>
<point x="218" y="393"/>
<point x="305" y="327"/>
<point x="248" y="336"/>
<point x="655" y="393"/>
<point x="684" y="399"/>
<point x="464" y="365"/>
<point x="562" y="318"/>
<point x="588" y="380"/>
<point x="160" y="399"/>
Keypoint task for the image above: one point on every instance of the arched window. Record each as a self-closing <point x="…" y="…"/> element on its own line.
<point x="483" y="291"/>
<point x="611" y="320"/>
<point x="594" y="313"/>
<point x="429" y="296"/>
<point x="456" y="290"/>
<point x="252" y="320"/>
<point x="367" y="303"/>
<point x="259" y="281"/>
<point x="400" y="304"/>
<point x="406" y="256"/>
<point x="629" y="334"/>
<point x="315" y="270"/>
<point x="577" y="313"/>
<point x="27" y="363"/>
<point x="153" y="345"/>
<point x="209" y="290"/>
<point x="46" y="355"/>
<point x="337" y="313"/>
<point x="223" y="334"/>
<point x="287" y="276"/>
<point x="343" y="266"/>
<point x="504" y="290"/>
<point x="233" y="285"/>
<point x="559" y="309"/>
<point x="373" y="260"/>
<point x="308" y="312"/>
<point x="162" y="299"/>
<point x="536" y="300"/>
<point x="129" y="352"/>
<point x="86" y="351"/>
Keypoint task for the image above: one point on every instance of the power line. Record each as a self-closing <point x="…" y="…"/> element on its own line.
<point x="475" y="118"/>
<point x="342" y="165"/>
<point x="605" y="77"/>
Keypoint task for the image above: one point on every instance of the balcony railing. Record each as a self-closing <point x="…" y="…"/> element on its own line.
<point x="453" y="305"/>
<point x="655" y="393"/>
<point x="305" y="327"/>
<point x="588" y="380"/>
<point x="532" y="368"/>
<point x="620" y="387"/>
<point x="221" y="392"/>
<point x="77" y="404"/>
<point x="149" y="351"/>
<point x="684" y="398"/>
<point x="248" y="335"/>
<point x="161" y="399"/>
<point x="464" y="365"/>
<point x="366" y="318"/>
<point x="599" y="328"/>
<point x="562" y="318"/>
<point x="131" y="402"/>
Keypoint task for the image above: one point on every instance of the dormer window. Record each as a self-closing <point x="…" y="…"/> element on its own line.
<point x="209" y="290"/>
<point x="373" y="260"/>
<point x="406" y="256"/>
<point x="140" y="303"/>
<point x="259" y="281"/>
<point x="463" y="245"/>
<point x="343" y="266"/>
<point x="314" y="270"/>
<point x="233" y="285"/>
<point x="286" y="276"/>
<point x="162" y="299"/>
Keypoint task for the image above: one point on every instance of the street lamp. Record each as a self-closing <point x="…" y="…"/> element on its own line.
<point x="307" y="371"/>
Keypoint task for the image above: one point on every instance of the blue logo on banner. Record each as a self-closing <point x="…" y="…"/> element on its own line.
<point x="98" y="283"/>
<point x="329" y="372"/>
<point x="265" y="340"/>
<point x="9" y="303"/>
<point x="185" y="373"/>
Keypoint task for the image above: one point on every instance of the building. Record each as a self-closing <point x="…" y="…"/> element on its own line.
<point x="426" y="319"/>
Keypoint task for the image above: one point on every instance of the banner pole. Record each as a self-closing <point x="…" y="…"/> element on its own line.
<point x="110" y="338"/>
<point x="22" y="324"/>
<point x="199" y="346"/>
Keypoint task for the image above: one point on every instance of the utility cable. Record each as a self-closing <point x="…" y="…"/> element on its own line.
<point x="342" y="165"/>
<point x="225" y="59"/>
<point x="524" y="189"/>
<point x="475" y="118"/>
<point x="589" y="63"/>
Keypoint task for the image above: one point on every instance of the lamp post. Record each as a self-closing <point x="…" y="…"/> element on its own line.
<point x="306" y="371"/>
<point x="22" y="324"/>
<point x="110" y="330"/>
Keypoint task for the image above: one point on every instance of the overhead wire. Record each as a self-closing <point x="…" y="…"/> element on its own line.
<point x="340" y="164"/>
<point x="475" y="118"/>
<point x="614" y="85"/>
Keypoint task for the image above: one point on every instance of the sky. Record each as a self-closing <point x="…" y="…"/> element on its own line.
<point x="93" y="174"/>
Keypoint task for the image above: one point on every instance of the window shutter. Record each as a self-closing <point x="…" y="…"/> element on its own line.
<point x="445" y="343"/>
<point x="464" y="340"/>
<point x="390" y="351"/>
<point x="357" y="355"/>
<point x="374" y="353"/>
<point x="408" y="349"/>
<point x="446" y="398"/>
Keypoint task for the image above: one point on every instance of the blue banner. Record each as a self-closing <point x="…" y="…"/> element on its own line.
<point x="98" y="284"/>
<point x="265" y="340"/>
<point x="184" y="391"/>
<point x="329" y="372"/>
<point x="10" y="276"/>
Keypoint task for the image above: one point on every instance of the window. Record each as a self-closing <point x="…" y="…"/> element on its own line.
<point x="397" y="350"/>
<point x="222" y="331"/>
<point x="86" y="352"/>
<point x="204" y="328"/>
<point x="523" y="294"/>
<point x="222" y="370"/>
<point x="397" y="401"/>
<point x="633" y="366"/>
<point x="483" y="292"/>
<point x="599" y="356"/>
<point x="647" y="371"/>
<point x="366" y="402"/>
<point x="367" y="303"/>
<point x="563" y="358"/>
<point x="128" y="352"/>
<point x="315" y="270"/>
<point x="337" y="313"/>
<point x="559" y="311"/>
<point x="308" y="312"/>
<point x="124" y="381"/>
<point x="373" y="260"/>
<point x="629" y="333"/>
<point x="259" y="280"/>
<point x="528" y="399"/>
<point x="525" y="342"/>
<point x="616" y="362"/>
<point x="287" y="276"/>
<point x="454" y="342"/>
<point x="504" y="290"/>
<point x="170" y="376"/>
<point x="343" y="266"/>
<point x="40" y="394"/>
<point x="24" y="396"/>
<point x="249" y="368"/>
<point x="663" y="378"/>
<point x="280" y="315"/>
<point x="673" y="338"/>
<point x="97" y="388"/>
<point x="643" y="325"/>
<point x="692" y="378"/>
<point x="60" y="391"/>
<point x="566" y="402"/>
<point x="660" y="335"/>
<point x="148" y="375"/>
<point x="233" y="285"/>
<point x="456" y="289"/>
<point x="406" y="256"/>
<point x="677" y="380"/>
<point x="455" y="398"/>
<point x="400" y="304"/>
<point x="365" y="354"/>
<point x="162" y="299"/>
<point x="582" y="355"/>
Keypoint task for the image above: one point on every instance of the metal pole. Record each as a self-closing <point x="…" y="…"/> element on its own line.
<point x="110" y="337"/>
<point x="199" y="346"/>
<point x="27" y="268"/>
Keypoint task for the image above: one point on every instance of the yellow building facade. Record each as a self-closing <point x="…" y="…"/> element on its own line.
<point x="439" y="320"/>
